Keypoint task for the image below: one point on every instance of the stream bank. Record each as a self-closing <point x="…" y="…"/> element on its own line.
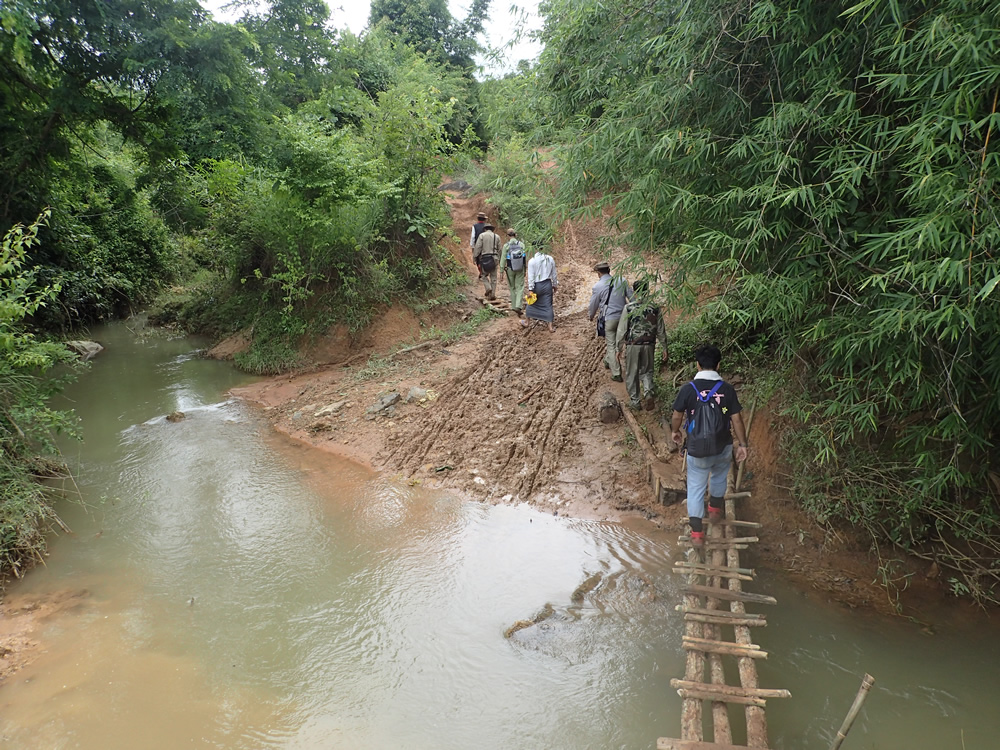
<point x="475" y="432"/>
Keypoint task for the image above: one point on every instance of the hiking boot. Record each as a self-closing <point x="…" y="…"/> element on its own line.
<point x="635" y="406"/>
<point x="617" y="378"/>
<point x="606" y="365"/>
<point x="648" y="403"/>
<point x="716" y="509"/>
<point x="697" y="538"/>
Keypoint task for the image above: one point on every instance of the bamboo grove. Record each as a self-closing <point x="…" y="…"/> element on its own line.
<point x="816" y="180"/>
<point x="820" y="177"/>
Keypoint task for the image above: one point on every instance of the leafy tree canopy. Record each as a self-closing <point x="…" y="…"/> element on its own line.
<point x="428" y="27"/>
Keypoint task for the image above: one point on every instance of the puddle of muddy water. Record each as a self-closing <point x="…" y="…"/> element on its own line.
<point x="244" y="592"/>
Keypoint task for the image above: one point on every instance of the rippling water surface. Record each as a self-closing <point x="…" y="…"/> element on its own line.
<point x="245" y="592"/>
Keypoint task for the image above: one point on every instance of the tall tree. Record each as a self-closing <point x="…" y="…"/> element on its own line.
<point x="295" y="47"/>
<point x="68" y="64"/>
<point x="428" y="27"/>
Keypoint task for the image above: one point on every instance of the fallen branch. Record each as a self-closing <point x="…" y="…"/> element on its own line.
<point x="532" y="393"/>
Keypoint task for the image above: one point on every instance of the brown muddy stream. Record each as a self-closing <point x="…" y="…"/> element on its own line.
<point x="235" y="590"/>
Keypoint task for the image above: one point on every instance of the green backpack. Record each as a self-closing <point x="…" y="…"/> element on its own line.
<point x="642" y="324"/>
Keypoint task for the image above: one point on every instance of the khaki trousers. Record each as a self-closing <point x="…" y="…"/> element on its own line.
<point x="611" y="339"/>
<point x="639" y="371"/>
<point x="515" y="280"/>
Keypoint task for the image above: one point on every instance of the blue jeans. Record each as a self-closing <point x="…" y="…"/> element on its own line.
<point x="710" y="472"/>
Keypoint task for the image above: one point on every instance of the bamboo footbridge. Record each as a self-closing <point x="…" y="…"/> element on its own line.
<point x="714" y="601"/>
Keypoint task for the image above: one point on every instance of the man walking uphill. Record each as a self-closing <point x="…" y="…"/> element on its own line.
<point x="477" y="229"/>
<point x="708" y="405"/>
<point x="512" y="265"/>
<point x="607" y="299"/>
<point x="485" y="255"/>
<point x="638" y="330"/>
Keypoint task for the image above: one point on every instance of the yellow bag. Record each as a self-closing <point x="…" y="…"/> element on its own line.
<point x="530" y="298"/>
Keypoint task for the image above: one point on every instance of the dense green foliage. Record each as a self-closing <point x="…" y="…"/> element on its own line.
<point x="277" y="175"/>
<point x="828" y="168"/>
<point x="428" y="27"/>
<point x="26" y="421"/>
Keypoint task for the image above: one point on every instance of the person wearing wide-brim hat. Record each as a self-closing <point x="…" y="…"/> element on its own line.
<point x="542" y="281"/>
<point x="513" y="264"/>
<point x="477" y="229"/>
<point x="486" y="255"/>
<point x="607" y="300"/>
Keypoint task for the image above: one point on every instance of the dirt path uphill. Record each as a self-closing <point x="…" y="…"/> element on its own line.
<point x="518" y="423"/>
<point x="511" y="414"/>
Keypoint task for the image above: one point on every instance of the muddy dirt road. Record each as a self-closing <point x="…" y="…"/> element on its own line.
<point x="512" y="414"/>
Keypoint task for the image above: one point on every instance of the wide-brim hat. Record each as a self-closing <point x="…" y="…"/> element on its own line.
<point x="481" y="215"/>
<point x="511" y="232"/>
<point x="602" y="267"/>
<point x="489" y="226"/>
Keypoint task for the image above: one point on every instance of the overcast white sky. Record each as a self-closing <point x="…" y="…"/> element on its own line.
<point x="505" y="18"/>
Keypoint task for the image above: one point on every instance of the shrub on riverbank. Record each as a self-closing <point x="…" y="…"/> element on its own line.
<point x="26" y="421"/>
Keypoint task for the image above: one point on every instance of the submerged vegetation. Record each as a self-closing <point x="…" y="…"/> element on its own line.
<point x="826" y="170"/>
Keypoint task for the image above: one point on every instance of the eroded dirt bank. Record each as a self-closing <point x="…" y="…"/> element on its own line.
<point x="511" y="416"/>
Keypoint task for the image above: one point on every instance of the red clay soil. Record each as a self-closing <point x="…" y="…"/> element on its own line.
<point x="511" y="416"/>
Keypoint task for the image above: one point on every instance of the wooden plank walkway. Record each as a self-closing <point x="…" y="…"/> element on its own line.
<point x="715" y="578"/>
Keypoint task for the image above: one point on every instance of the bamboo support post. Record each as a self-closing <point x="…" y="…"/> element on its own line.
<point x="721" y="729"/>
<point x="739" y="471"/>
<point x="691" y="710"/>
<point x="755" y="717"/>
<point x="859" y="699"/>
<point x="665" y="743"/>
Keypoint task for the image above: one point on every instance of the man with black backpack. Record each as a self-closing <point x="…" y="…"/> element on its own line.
<point x="639" y="328"/>
<point x="512" y="265"/>
<point x="708" y="406"/>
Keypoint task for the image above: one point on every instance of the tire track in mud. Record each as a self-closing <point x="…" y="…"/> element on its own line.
<point x="495" y="447"/>
<point x="476" y="436"/>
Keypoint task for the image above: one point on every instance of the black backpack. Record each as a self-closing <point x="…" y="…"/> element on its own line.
<point x="707" y="427"/>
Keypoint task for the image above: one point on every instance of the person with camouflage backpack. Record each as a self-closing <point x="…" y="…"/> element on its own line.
<point x="639" y="328"/>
